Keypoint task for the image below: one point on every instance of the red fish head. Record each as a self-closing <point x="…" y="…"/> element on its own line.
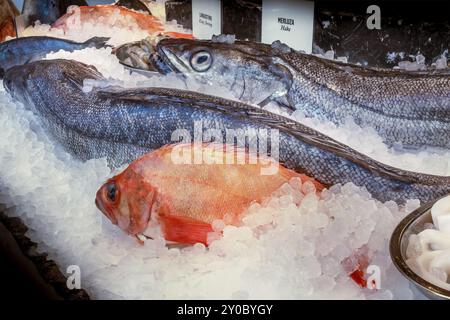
<point x="127" y="201"/>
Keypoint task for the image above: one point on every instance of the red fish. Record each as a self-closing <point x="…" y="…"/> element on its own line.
<point x="115" y="16"/>
<point x="185" y="199"/>
<point x="7" y="13"/>
<point x="7" y="29"/>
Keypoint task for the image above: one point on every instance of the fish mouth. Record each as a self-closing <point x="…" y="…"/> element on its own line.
<point x="170" y="60"/>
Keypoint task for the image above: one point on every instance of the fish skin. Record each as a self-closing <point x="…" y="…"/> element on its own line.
<point x="412" y="108"/>
<point x="23" y="50"/>
<point x="185" y="199"/>
<point x="47" y="11"/>
<point x="123" y="124"/>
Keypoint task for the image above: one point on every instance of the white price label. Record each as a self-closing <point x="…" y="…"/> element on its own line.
<point x="206" y="18"/>
<point x="290" y="21"/>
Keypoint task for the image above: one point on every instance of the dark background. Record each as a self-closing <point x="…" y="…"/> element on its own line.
<point x="424" y="28"/>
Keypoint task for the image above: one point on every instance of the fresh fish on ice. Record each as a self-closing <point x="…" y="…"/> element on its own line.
<point x="141" y="56"/>
<point x="115" y="16"/>
<point x="185" y="199"/>
<point x="23" y="50"/>
<point x="123" y="124"/>
<point x="412" y="108"/>
<point x="46" y="11"/>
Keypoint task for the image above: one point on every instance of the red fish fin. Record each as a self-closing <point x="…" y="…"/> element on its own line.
<point x="184" y="230"/>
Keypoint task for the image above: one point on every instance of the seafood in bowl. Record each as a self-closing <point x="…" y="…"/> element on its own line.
<point x="420" y="248"/>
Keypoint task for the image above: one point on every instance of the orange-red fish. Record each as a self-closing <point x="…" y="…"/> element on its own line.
<point x="185" y="199"/>
<point x="115" y="16"/>
<point x="7" y="29"/>
<point x="7" y="13"/>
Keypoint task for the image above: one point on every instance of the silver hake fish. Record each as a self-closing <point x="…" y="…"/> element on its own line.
<point x="122" y="124"/>
<point x="412" y="108"/>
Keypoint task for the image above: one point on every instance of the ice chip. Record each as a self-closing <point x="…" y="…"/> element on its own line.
<point x="308" y="187"/>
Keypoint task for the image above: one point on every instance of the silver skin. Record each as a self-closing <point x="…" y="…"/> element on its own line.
<point x="412" y="108"/>
<point x="122" y="124"/>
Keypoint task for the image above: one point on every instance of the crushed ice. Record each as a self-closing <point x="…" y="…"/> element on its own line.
<point x="290" y="246"/>
<point x="282" y="47"/>
<point x="82" y="31"/>
<point x="224" y="38"/>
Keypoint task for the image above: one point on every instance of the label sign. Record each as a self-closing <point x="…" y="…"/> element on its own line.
<point x="206" y="18"/>
<point x="290" y="21"/>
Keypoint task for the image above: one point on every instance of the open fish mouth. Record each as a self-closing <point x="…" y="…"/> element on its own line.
<point x="161" y="64"/>
<point x="170" y="60"/>
<point x="147" y="56"/>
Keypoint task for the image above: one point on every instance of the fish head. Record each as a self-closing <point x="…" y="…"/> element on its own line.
<point x="127" y="201"/>
<point x="249" y="70"/>
<point x="15" y="82"/>
<point x="21" y="80"/>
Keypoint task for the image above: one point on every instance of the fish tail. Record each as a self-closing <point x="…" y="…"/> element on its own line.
<point x="97" y="42"/>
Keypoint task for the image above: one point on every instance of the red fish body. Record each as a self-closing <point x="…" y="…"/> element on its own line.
<point x="7" y="13"/>
<point x="115" y="16"/>
<point x="185" y="199"/>
<point x="7" y="29"/>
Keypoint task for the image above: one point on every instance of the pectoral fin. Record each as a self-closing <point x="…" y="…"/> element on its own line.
<point x="280" y="99"/>
<point x="184" y="230"/>
<point x="280" y="96"/>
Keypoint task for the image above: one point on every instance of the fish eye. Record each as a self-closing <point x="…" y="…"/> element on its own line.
<point x="111" y="191"/>
<point x="201" y="61"/>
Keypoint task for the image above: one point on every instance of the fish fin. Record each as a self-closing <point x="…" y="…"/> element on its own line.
<point x="280" y="96"/>
<point x="97" y="42"/>
<point x="184" y="230"/>
<point x="280" y="100"/>
<point x="315" y="138"/>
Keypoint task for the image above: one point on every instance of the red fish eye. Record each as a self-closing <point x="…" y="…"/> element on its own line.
<point x="111" y="192"/>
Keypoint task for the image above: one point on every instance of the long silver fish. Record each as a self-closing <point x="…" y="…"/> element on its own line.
<point x="122" y="124"/>
<point x="408" y="107"/>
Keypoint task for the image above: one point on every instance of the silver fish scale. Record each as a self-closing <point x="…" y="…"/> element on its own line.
<point x="122" y="124"/>
<point x="405" y="107"/>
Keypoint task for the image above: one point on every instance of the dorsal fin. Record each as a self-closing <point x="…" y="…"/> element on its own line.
<point x="285" y="125"/>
